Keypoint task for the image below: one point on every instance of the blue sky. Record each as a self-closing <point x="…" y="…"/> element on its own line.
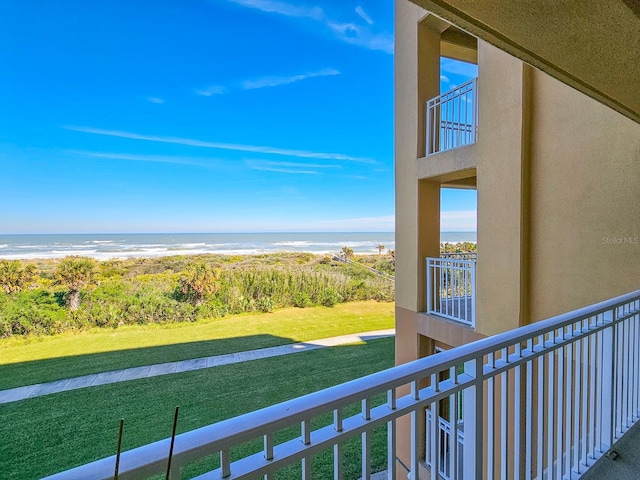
<point x="201" y="116"/>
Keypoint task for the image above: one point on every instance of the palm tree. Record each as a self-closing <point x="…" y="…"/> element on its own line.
<point x="380" y="247"/>
<point x="76" y="273"/>
<point x="198" y="280"/>
<point x="13" y="276"/>
<point x="346" y="253"/>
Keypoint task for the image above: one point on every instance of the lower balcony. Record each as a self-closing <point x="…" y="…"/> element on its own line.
<point x="542" y="401"/>
<point x="451" y="287"/>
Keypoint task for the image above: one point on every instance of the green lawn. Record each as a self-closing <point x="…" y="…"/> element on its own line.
<point x="43" y="359"/>
<point x="47" y="434"/>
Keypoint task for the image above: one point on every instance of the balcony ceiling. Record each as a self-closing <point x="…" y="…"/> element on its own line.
<point x="594" y="46"/>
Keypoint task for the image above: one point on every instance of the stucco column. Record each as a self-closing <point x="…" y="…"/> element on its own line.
<point x="503" y="216"/>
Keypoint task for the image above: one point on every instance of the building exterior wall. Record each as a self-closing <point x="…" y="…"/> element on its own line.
<point x="558" y="181"/>
<point x="585" y="200"/>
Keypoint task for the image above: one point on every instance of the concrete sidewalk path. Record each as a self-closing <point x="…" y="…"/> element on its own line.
<point x="32" y="391"/>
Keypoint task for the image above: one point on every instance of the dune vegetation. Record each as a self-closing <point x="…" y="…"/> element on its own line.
<point x="52" y="296"/>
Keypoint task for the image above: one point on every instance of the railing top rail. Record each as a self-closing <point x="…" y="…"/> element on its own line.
<point x="213" y="438"/>
<point x="463" y="86"/>
<point x="446" y="261"/>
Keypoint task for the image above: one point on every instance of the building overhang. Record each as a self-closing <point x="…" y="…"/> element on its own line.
<point x="591" y="46"/>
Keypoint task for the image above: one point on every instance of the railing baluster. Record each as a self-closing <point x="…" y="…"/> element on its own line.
<point x="517" y="427"/>
<point x="490" y="419"/>
<point x="551" y="383"/>
<point x="584" y="421"/>
<point x="578" y="412"/>
<point x="453" y="422"/>
<point x="306" y="440"/>
<point x="630" y="371"/>
<point x="569" y="406"/>
<point x="636" y="365"/>
<point x="268" y="452"/>
<point x="560" y="412"/>
<point x="429" y="286"/>
<point x="442" y="290"/>
<point x="338" y="469"/>
<point x="528" y="447"/>
<point x="473" y="417"/>
<point x="592" y="389"/>
<point x="540" y="413"/>
<point x="225" y="463"/>
<point x="415" y="434"/>
<point x="504" y="412"/>
<point x="366" y="441"/>
<point x="391" y="436"/>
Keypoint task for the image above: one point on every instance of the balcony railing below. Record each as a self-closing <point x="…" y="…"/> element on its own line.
<point x="443" y="432"/>
<point x="451" y="287"/>
<point x="541" y="401"/>
<point x="452" y="118"/>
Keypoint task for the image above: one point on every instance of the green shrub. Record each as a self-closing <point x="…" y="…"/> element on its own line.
<point x="330" y="298"/>
<point x="301" y="300"/>
<point x="264" y="304"/>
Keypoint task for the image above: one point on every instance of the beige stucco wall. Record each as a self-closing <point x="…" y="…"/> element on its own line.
<point x="501" y="162"/>
<point x="585" y="198"/>
<point x="412" y="89"/>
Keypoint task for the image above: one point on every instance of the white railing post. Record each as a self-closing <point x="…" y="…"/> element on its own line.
<point x="609" y="405"/>
<point x="428" y="142"/>
<point x="473" y="293"/>
<point x="429" y="285"/>
<point x="472" y="420"/>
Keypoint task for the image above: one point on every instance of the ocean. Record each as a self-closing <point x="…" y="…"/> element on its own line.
<point x="129" y="245"/>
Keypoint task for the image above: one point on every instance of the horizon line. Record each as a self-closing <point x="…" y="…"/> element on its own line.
<point x="224" y="232"/>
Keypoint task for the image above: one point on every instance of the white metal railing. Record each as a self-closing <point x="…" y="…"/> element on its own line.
<point x="541" y="401"/>
<point x="444" y="432"/>
<point x="451" y="288"/>
<point x="452" y="118"/>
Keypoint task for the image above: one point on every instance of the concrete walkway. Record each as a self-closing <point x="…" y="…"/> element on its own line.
<point x="623" y="466"/>
<point x="105" y="378"/>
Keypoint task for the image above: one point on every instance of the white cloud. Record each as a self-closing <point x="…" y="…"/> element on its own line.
<point x="360" y="11"/>
<point x="287" y="167"/>
<point x="212" y="90"/>
<point x="277" y="81"/>
<point x="303" y="165"/>
<point x="444" y="78"/>
<point x="347" y="32"/>
<point x="221" y="146"/>
<point x="283" y="170"/>
<point x="362" y="36"/>
<point x="458" y="221"/>
<point x="176" y="160"/>
<point x="282" y="8"/>
<point x="156" y="100"/>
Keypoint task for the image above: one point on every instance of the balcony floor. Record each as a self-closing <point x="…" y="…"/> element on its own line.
<point x="626" y="466"/>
